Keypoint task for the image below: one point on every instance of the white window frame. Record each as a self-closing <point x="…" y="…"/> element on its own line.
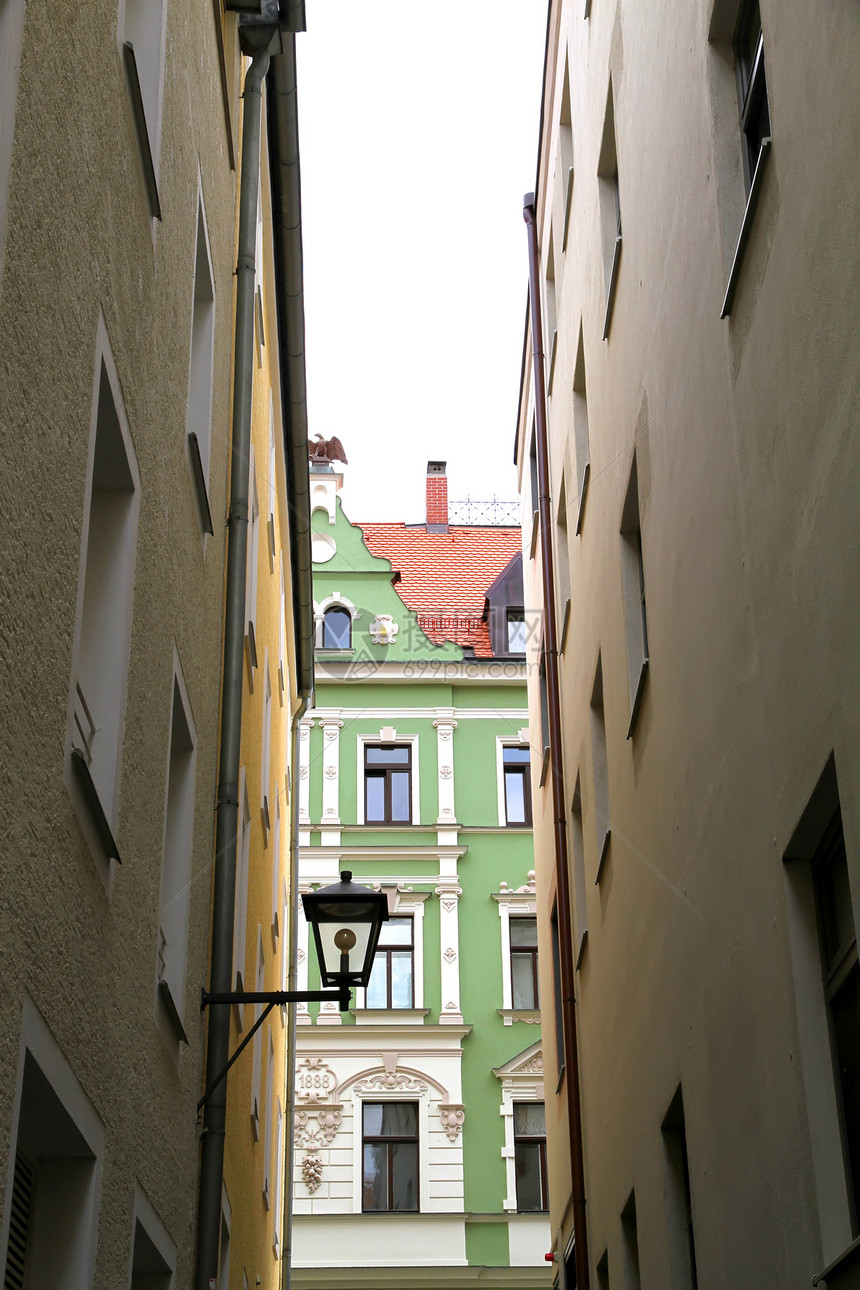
<point x="393" y="1095"/>
<point x="276" y="870"/>
<point x="272" y="489"/>
<point x="516" y="904"/>
<point x="145" y="1214"/>
<point x="402" y="904"/>
<point x="39" y="1042"/>
<point x="201" y="359"/>
<point x="396" y="738"/>
<point x="266" y="757"/>
<point x="502" y="742"/>
<point x="144" y="54"/>
<point x="283" y="684"/>
<point x="517" y="1086"/>
<point x="178" y="838"/>
<point x="108" y="771"/>
<point x="279" y="1173"/>
<point x="334" y="601"/>
<point x="268" y="1111"/>
<point x="252" y="567"/>
<point x="240" y="911"/>
<point x="11" y="37"/>
<point x="257" y="1064"/>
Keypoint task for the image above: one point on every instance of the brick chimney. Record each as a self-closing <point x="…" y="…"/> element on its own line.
<point x="437" y="497"/>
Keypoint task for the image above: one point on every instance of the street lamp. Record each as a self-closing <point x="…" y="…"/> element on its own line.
<point x="346" y="919"/>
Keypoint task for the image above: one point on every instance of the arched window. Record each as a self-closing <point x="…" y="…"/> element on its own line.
<point x="337" y="629"/>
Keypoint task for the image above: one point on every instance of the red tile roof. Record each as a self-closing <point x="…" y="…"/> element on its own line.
<point x="444" y="576"/>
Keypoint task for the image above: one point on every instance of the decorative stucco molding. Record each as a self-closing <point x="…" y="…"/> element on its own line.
<point x="314" y="1129"/>
<point x="391" y="1080"/>
<point x="383" y="630"/>
<point x="315" y="1081"/>
<point x="452" y="1116"/>
<point x="312" y="1171"/>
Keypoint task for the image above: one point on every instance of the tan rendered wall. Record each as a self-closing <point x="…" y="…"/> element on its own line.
<point x="744" y="432"/>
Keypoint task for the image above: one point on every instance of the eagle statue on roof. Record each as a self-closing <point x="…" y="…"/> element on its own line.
<point x="325" y="451"/>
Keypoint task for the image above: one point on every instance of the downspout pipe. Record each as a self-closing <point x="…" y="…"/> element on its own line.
<point x="256" y="43"/>
<point x="286" y="221"/>
<point x="559" y="812"/>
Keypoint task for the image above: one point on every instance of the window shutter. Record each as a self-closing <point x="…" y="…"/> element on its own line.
<point x="23" y="1187"/>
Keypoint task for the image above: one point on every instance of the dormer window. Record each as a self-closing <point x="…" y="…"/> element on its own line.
<point x="515" y="627"/>
<point x="337" y="628"/>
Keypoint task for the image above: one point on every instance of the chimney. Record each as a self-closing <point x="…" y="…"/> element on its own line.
<point x="437" y="497"/>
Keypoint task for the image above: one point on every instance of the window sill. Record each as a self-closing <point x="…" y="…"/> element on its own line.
<point x="610" y="290"/>
<point x="637" y="697"/>
<point x="531" y="1016"/>
<point x="601" y="859"/>
<point x="535" y="531"/>
<point x="390" y="1016"/>
<point x="326" y="652"/>
<point x="544" y="769"/>
<point x="565" y="623"/>
<point x="198" y="476"/>
<point x="553" y="347"/>
<point x="251" y="653"/>
<point x="168" y="1003"/>
<point x="568" y="203"/>
<point x="144" y="146"/>
<point x="746" y="226"/>
<point x="849" y="1257"/>
<point x="84" y="780"/>
<point x="583" y="490"/>
<point x="580" y="952"/>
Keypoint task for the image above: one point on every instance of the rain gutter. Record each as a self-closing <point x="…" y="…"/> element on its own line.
<point x="562" y="873"/>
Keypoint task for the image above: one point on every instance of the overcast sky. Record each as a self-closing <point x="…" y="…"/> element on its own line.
<point x="418" y="133"/>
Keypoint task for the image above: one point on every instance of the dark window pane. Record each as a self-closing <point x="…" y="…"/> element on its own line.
<point x="375" y="797"/>
<point x="530" y="1120"/>
<point x="522" y="981"/>
<point x="515" y="756"/>
<point x="397" y="931"/>
<point x="399" y="1119"/>
<point x="515" y="797"/>
<point x="845" y="1009"/>
<point x="404" y="1175"/>
<point x="523" y="931"/>
<point x="836" y="913"/>
<point x="528" y="1170"/>
<point x="377" y="989"/>
<point x="374" y="1193"/>
<point x="401" y="979"/>
<point x="336" y="629"/>
<point x="400" y="795"/>
<point x="387" y="756"/>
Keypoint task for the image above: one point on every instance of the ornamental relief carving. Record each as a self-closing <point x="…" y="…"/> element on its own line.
<point x="330" y="772"/>
<point x="391" y="1080"/>
<point x="449" y="955"/>
<point x="312" y="1169"/>
<point x="532" y="1067"/>
<point x="446" y="772"/>
<point x="452" y="1116"/>
<point x="303" y="772"/>
<point x="315" y="1081"/>
<point x="314" y="1130"/>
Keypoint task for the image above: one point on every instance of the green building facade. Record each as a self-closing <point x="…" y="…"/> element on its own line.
<point x="419" y="1128"/>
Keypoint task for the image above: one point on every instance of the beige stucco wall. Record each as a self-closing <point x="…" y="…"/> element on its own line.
<point x="745" y="434"/>
<point x="79" y="244"/>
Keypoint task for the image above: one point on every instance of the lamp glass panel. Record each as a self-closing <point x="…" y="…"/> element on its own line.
<point x="331" y="954"/>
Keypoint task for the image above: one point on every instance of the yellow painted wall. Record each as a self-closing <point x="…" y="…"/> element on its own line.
<point x="253" y="1220"/>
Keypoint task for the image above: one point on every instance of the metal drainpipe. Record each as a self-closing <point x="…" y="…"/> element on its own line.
<point x="256" y="42"/>
<point x="577" y="1171"/>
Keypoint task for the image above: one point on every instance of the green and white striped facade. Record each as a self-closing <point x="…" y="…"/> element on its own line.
<point x="447" y="1064"/>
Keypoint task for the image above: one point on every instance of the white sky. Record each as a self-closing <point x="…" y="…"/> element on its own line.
<point x="418" y="134"/>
